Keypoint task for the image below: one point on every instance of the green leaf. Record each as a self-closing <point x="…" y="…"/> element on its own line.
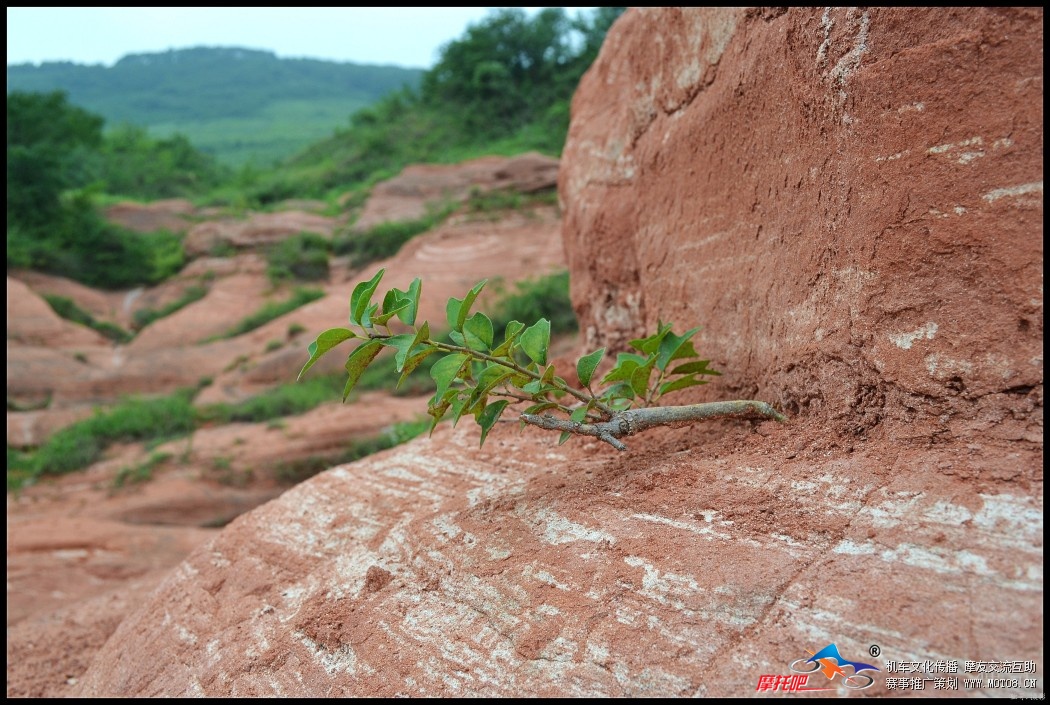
<point x="405" y="343"/>
<point x="477" y="332"/>
<point x="457" y="338"/>
<point x="487" y="380"/>
<point x="565" y="435"/>
<point x="408" y="313"/>
<point x="622" y="390"/>
<point x="514" y="329"/>
<point x="536" y="341"/>
<point x="459" y="407"/>
<point x="445" y="370"/>
<point x="586" y="365"/>
<point x="488" y="418"/>
<point x="468" y="301"/>
<point x="651" y="344"/>
<point x="401" y="343"/>
<point x="681" y="383"/>
<point x="366" y="319"/>
<point x="674" y="347"/>
<point x="579" y="414"/>
<point x="393" y="303"/>
<point x="548" y="375"/>
<point x="357" y="362"/>
<point x="626" y="364"/>
<point x="414" y="361"/>
<point x="695" y="367"/>
<point x="543" y="406"/>
<point x="361" y="299"/>
<point x="439" y="406"/>
<point x="452" y="307"/>
<point x="640" y="377"/>
<point x="325" y="342"/>
<point x="457" y="310"/>
<point x="532" y="387"/>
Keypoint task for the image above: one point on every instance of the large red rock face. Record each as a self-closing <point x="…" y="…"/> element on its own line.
<point x="848" y="201"/>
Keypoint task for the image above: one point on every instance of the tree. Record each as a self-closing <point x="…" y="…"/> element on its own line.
<point x="481" y="376"/>
<point x="44" y="135"/>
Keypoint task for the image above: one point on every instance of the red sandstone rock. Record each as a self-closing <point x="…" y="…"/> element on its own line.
<point x="31" y="321"/>
<point x="173" y="214"/>
<point x="259" y="229"/>
<point x="439" y="569"/>
<point x="849" y="201"/>
<point x="407" y="196"/>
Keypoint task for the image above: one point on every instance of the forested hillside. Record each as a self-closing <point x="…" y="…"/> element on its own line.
<point x="503" y="88"/>
<point x="234" y="103"/>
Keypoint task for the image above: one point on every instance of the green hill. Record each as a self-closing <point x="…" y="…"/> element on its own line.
<point x="239" y="104"/>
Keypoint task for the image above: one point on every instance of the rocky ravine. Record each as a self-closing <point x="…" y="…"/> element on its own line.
<point x="850" y="202"/>
<point x="80" y="553"/>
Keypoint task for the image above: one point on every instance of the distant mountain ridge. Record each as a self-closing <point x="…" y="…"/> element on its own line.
<point x="221" y="97"/>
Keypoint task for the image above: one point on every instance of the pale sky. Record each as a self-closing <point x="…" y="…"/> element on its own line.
<point x="403" y="36"/>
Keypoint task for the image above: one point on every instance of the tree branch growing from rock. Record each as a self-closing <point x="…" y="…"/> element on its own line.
<point x="475" y="368"/>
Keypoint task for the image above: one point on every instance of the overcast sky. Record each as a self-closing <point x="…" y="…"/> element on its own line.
<point x="404" y="36"/>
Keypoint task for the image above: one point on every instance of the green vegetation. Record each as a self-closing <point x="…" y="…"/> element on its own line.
<point x="141" y="472"/>
<point x="296" y="471"/>
<point x="479" y="375"/>
<point x="144" y="316"/>
<point x="239" y="104"/>
<point x="546" y="297"/>
<point x="270" y="311"/>
<point x="502" y="88"/>
<point x="54" y="228"/>
<point x="284" y="400"/>
<point x="507" y="199"/>
<point x="385" y="239"/>
<point x="132" y="163"/>
<point x="66" y="308"/>
<point x="302" y="257"/>
<point x="80" y="444"/>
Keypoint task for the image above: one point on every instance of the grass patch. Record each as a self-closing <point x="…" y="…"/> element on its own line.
<point x="386" y="239"/>
<point x="270" y="311"/>
<point x="144" y="316"/>
<point x="506" y="199"/>
<point x="302" y="257"/>
<point x="545" y="297"/>
<point x="286" y="400"/>
<point x="80" y="444"/>
<point x="296" y="471"/>
<point x="67" y="309"/>
<point x="141" y="472"/>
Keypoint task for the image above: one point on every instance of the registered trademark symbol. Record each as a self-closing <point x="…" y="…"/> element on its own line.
<point x="874" y="650"/>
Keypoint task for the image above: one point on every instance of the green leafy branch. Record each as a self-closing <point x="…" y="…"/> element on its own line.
<point x="481" y="376"/>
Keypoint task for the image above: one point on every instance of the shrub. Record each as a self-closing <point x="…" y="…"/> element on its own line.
<point x="386" y="239"/>
<point x="270" y="311"/>
<point x="67" y="308"/>
<point x="545" y="297"/>
<point x="80" y="444"/>
<point x="301" y="257"/>
<point x="141" y="472"/>
<point x="285" y="400"/>
<point x="144" y="316"/>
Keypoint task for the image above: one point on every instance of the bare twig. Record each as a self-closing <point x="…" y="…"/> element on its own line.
<point x="627" y="423"/>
